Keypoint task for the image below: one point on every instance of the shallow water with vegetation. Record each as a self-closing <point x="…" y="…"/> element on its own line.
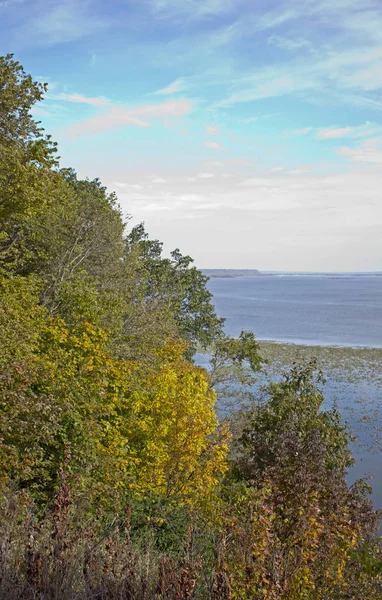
<point x="334" y="318"/>
<point x="354" y="385"/>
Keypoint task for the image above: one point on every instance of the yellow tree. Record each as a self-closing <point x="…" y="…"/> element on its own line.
<point x="178" y="450"/>
<point x="127" y="428"/>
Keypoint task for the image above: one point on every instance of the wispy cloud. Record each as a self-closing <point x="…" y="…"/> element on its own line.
<point x="287" y="43"/>
<point x="52" y="23"/>
<point x="193" y="8"/>
<point x="264" y="116"/>
<point x="369" y="152"/>
<point x="122" y="116"/>
<point x="269" y="83"/>
<point x="215" y="163"/>
<point x="158" y="180"/>
<point x="212" y="129"/>
<point x="275" y="18"/>
<point x="179" y="85"/>
<point x="80" y="98"/>
<point x="303" y="131"/>
<point x="213" y="145"/>
<point x="337" y="69"/>
<point x="9" y="3"/>
<point x="356" y="131"/>
<point x="334" y="132"/>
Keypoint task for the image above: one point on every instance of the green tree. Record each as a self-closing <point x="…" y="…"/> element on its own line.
<point x="127" y="428"/>
<point x="178" y="284"/>
<point x="301" y="531"/>
<point x="26" y="155"/>
<point x="233" y="366"/>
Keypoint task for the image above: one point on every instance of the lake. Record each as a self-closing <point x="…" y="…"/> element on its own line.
<point x="343" y="310"/>
<point x="337" y="318"/>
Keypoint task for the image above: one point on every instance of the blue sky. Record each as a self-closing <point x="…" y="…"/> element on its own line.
<point x="249" y="134"/>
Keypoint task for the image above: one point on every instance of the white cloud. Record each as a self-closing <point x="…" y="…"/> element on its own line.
<point x="334" y="132"/>
<point x="275" y="18"/>
<point x="206" y="175"/>
<point x="51" y="23"/>
<point x="158" y="180"/>
<point x="265" y="116"/>
<point x="286" y="43"/>
<point x="268" y="85"/>
<point x="279" y="221"/>
<point x="121" y="185"/>
<point x="277" y="169"/>
<point x="215" y="163"/>
<point x="369" y="152"/>
<point x="258" y="182"/>
<point x="344" y="74"/>
<point x="212" y="129"/>
<point x="213" y="145"/>
<point x="356" y="131"/>
<point x="119" y="116"/>
<point x="80" y="98"/>
<point x="193" y="8"/>
<point x="303" y="131"/>
<point x="297" y="171"/>
<point x="176" y="86"/>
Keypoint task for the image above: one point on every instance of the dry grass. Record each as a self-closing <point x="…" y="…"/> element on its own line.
<point x="61" y="557"/>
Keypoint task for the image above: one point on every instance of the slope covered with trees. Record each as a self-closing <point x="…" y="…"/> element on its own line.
<point x="117" y="478"/>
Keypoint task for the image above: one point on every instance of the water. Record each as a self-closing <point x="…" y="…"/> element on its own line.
<point x="307" y="309"/>
<point x="325" y="310"/>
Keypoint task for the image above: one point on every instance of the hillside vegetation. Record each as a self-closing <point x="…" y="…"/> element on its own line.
<point x="117" y="478"/>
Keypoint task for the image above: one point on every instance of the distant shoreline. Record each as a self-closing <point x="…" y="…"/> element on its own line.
<point x="233" y="273"/>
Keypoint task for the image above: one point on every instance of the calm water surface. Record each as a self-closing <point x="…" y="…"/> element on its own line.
<point x="318" y="310"/>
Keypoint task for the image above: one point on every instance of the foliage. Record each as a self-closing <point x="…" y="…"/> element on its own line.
<point x="65" y="557"/>
<point x="180" y="285"/>
<point x="299" y="526"/>
<point x="183" y="453"/>
<point x="26" y="155"/>
<point x="233" y="365"/>
<point x="125" y="430"/>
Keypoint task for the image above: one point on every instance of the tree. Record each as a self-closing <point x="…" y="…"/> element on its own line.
<point x="26" y="155"/>
<point x="128" y="429"/>
<point x="183" y="450"/>
<point x="302" y="532"/>
<point x="178" y="284"/>
<point x="233" y="365"/>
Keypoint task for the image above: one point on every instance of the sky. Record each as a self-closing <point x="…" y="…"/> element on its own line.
<point x="247" y="134"/>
